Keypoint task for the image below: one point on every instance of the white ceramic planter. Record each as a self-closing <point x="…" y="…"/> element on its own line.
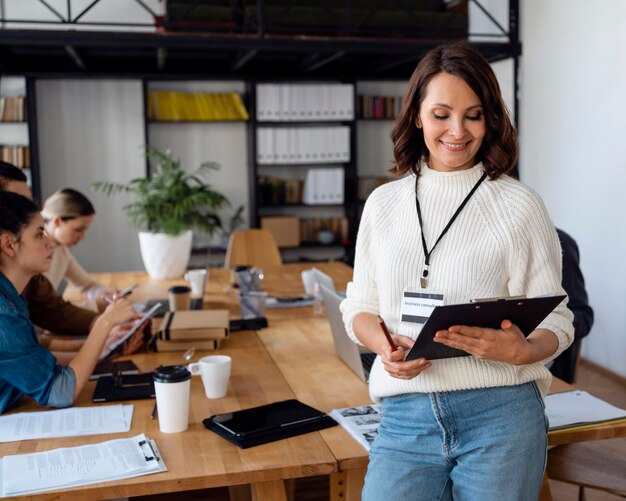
<point x="165" y="256"/>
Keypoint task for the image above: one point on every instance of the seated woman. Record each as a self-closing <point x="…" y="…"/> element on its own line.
<point x="26" y="367"/>
<point x="67" y="215"/>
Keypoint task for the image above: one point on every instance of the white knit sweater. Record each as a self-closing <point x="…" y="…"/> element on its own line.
<point x="502" y="244"/>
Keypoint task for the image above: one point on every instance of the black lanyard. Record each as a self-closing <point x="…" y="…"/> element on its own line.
<point x="427" y="253"/>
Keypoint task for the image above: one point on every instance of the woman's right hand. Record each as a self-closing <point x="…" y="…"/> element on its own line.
<point x="393" y="360"/>
<point x="120" y="311"/>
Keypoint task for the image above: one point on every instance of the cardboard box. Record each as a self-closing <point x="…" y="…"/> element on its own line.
<point x="285" y="229"/>
<point x="194" y="325"/>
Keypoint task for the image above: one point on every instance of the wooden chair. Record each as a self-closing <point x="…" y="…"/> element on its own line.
<point x="597" y="465"/>
<point x="253" y="247"/>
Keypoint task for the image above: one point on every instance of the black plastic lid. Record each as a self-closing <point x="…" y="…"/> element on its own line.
<point x="240" y="267"/>
<point x="179" y="289"/>
<point x="171" y="374"/>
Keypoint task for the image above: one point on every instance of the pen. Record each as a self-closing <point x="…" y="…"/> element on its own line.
<point x="107" y="299"/>
<point x="154" y="410"/>
<point x="127" y="291"/>
<point x="383" y="326"/>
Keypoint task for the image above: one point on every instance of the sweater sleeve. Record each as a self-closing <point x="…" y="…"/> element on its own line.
<point x="50" y="311"/>
<point x="536" y="265"/>
<point x="78" y="276"/>
<point x="362" y="292"/>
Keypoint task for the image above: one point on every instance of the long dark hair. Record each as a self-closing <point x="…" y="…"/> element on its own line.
<point x="16" y="212"/>
<point x="499" y="148"/>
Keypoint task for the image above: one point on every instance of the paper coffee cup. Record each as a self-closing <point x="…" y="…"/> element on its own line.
<point x="215" y="373"/>
<point x="179" y="297"/>
<point x="171" y="386"/>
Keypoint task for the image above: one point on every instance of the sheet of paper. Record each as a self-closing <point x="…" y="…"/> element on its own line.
<point x="71" y="422"/>
<point x="73" y="466"/>
<point x="573" y="408"/>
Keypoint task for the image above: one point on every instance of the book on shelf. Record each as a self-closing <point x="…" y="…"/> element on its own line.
<point x="13" y="109"/>
<point x="378" y="107"/>
<point x="310" y="227"/>
<point x="195" y="106"/>
<point x="360" y="422"/>
<point x="276" y="191"/>
<point x="16" y="155"/>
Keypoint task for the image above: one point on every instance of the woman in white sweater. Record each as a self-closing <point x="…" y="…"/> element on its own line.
<point x="67" y="216"/>
<point x="470" y="428"/>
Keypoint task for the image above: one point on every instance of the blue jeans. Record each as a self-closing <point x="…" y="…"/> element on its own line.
<point x="471" y="445"/>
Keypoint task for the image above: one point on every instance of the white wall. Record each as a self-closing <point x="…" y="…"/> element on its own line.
<point x="573" y="116"/>
<point x="91" y="130"/>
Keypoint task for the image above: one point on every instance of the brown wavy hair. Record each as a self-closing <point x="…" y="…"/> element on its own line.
<point x="499" y="149"/>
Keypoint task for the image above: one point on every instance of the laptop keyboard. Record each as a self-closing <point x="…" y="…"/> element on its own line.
<point x="367" y="359"/>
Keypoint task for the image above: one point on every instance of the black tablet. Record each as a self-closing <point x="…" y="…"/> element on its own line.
<point x="526" y="313"/>
<point x="268" y="423"/>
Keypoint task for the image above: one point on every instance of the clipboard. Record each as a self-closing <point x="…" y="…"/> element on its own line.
<point x="268" y="423"/>
<point x="526" y="313"/>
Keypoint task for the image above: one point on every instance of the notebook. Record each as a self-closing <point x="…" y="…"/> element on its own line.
<point x="130" y="387"/>
<point x="359" y="361"/>
<point x="526" y="313"/>
<point x="268" y="423"/>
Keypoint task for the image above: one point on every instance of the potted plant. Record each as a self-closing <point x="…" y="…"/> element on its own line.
<point x="324" y="234"/>
<point x="167" y="205"/>
<point x="225" y="230"/>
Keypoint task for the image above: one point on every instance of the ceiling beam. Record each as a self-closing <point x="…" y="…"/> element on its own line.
<point x="75" y="57"/>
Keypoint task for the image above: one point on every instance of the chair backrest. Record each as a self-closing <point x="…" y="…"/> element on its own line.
<point x="253" y="247"/>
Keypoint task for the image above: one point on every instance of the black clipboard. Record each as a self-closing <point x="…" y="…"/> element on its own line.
<point x="268" y="423"/>
<point x="526" y="313"/>
<point x="132" y="387"/>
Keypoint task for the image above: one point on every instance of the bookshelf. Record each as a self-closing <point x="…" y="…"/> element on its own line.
<point x="18" y="127"/>
<point x="302" y="159"/>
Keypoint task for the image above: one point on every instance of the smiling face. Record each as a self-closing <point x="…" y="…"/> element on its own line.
<point x="452" y="120"/>
<point x="71" y="232"/>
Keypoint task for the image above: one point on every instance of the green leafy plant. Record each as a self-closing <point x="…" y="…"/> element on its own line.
<point x="236" y="220"/>
<point x="170" y="201"/>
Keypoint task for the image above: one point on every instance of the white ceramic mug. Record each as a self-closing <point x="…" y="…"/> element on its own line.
<point x="171" y="386"/>
<point x="197" y="280"/>
<point x="215" y="373"/>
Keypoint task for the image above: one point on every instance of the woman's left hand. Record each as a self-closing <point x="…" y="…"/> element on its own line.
<point x="506" y="344"/>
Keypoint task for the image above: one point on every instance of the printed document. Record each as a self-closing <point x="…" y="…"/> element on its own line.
<point x="578" y="408"/>
<point x="361" y="422"/>
<point x="70" y="422"/>
<point x="74" y="466"/>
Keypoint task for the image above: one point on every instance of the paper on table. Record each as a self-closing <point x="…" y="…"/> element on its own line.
<point x="74" y="466"/>
<point x="360" y="422"/>
<point x="576" y="408"/>
<point x="71" y="422"/>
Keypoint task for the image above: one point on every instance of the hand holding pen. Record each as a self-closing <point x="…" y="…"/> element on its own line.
<point x="394" y="363"/>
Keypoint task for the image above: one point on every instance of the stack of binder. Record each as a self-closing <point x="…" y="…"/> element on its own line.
<point x="305" y="102"/>
<point x="303" y="145"/>
<point x="201" y="329"/>
<point x="324" y="187"/>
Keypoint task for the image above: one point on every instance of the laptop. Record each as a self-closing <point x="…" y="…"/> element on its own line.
<point x="325" y="280"/>
<point x="357" y="359"/>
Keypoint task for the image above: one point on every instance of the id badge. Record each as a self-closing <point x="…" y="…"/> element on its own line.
<point x="418" y="304"/>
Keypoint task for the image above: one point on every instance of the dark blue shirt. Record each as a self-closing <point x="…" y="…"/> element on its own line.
<point x="26" y="367"/>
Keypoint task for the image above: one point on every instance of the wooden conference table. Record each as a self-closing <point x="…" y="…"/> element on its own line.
<point x="293" y="358"/>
